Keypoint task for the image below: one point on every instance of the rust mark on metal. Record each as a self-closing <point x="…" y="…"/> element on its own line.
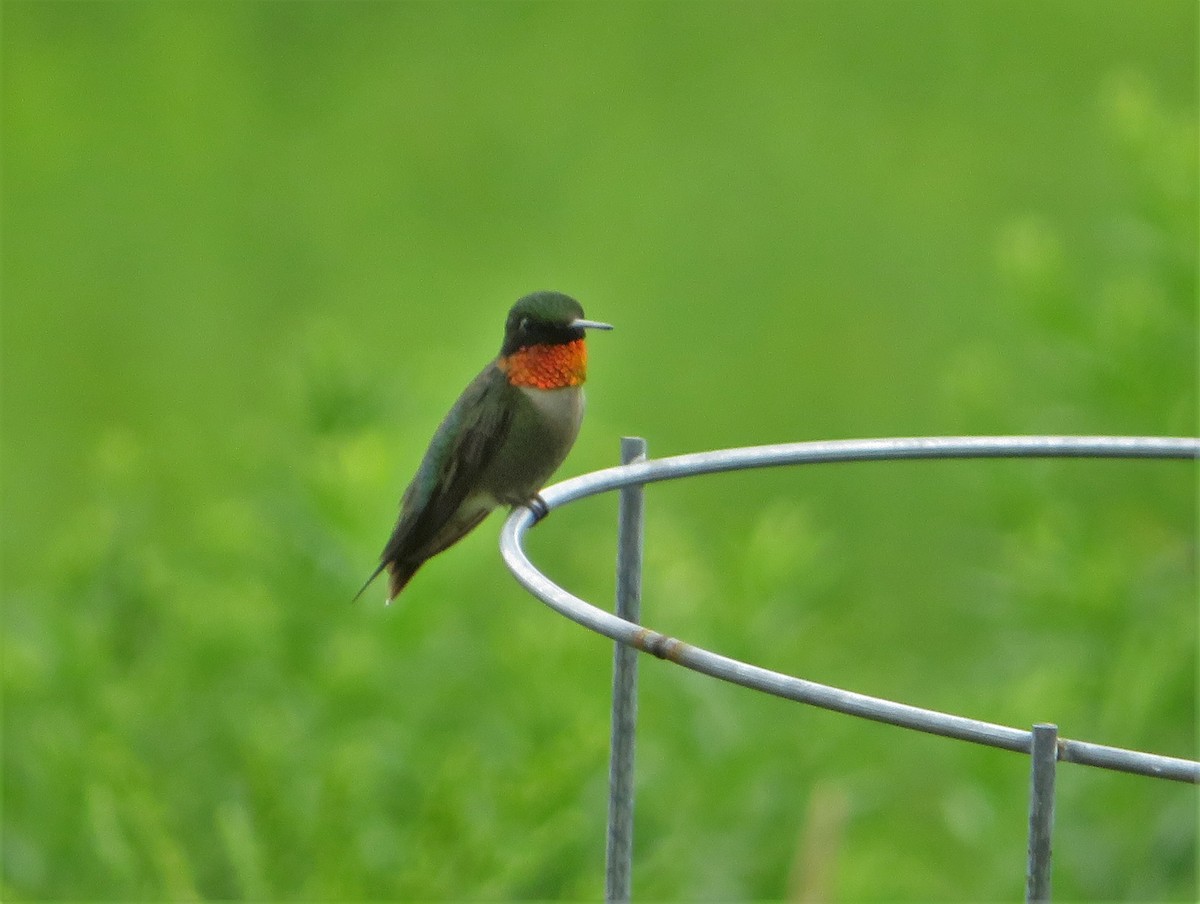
<point x="659" y="645"/>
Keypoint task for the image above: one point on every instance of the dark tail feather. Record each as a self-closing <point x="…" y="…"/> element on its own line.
<point x="399" y="574"/>
<point x="370" y="581"/>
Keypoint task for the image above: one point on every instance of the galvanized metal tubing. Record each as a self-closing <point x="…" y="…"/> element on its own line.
<point x="1042" y="743"/>
<point x="619" y="848"/>
<point x="1043" y="764"/>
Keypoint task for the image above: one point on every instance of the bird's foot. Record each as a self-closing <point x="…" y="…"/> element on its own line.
<point x="537" y="505"/>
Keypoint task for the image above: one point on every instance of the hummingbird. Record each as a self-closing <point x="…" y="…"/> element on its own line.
<point x="508" y="432"/>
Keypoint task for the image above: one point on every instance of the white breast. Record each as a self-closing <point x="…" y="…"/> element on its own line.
<point x="559" y="406"/>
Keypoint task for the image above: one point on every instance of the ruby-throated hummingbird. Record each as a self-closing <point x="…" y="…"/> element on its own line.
<point x="504" y="437"/>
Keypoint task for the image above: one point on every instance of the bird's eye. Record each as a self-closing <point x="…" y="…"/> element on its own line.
<point x="524" y="324"/>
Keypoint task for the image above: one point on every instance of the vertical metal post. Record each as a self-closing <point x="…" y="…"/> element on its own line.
<point x="619" y="850"/>
<point x="1043" y="754"/>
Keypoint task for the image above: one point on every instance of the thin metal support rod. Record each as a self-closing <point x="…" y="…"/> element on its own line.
<point x="1044" y="756"/>
<point x="619" y="850"/>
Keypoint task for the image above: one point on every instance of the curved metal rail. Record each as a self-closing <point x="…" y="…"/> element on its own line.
<point x="630" y="633"/>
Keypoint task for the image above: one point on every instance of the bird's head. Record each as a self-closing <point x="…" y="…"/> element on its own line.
<point x="545" y="318"/>
<point x="543" y="341"/>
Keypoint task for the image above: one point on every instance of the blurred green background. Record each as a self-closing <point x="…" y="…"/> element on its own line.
<point x="252" y="252"/>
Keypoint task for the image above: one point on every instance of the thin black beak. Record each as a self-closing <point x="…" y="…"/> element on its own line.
<point x="580" y="324"/>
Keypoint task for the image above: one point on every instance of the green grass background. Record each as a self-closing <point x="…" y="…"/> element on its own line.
<point x="252" y="252"/>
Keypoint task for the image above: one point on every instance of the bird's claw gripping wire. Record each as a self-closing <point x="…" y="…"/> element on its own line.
<point x="538" y="507"/>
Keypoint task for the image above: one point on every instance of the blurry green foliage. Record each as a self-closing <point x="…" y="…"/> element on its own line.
<point x="253" y="251"/>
